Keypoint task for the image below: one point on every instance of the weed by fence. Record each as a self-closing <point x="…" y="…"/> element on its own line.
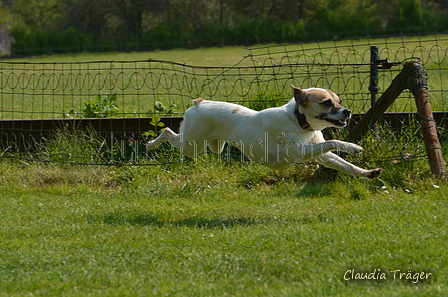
<point x="140" y="89"/>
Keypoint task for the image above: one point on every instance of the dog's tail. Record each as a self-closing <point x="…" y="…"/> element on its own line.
<point x="197" y="101"/>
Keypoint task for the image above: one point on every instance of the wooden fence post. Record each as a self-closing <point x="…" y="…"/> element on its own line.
<point x="413" y="77"/>
<point x="377" y="109"/>
<point x="426" y="120"/>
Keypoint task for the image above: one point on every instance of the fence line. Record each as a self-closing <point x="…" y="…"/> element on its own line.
<point x="144" y="88"/>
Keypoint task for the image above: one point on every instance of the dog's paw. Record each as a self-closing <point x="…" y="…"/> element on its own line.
<point x="151" y="145"/>
<point x="374" y="173"/>
<point x="353" y="148"/>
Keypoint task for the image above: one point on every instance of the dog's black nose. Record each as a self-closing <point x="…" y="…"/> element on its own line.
<point x="347" y="113"/>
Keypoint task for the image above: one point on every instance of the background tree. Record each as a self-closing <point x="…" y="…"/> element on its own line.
<point x="409" y="13"/>
<point x="344" y="16"/>
<point x="6" y="18"/>
<point x="147" y="24"/>
<point x="86" y="16"/>
<point x="129" y="16"/>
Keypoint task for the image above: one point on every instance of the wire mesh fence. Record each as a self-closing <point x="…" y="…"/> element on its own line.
<point x="126" y="90"/>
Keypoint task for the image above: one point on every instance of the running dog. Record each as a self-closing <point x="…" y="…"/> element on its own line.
<point x="277" y="137"/>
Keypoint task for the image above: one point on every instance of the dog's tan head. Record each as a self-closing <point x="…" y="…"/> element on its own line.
<point x="321" y="107"/>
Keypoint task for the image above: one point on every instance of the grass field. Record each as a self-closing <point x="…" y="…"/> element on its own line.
<point x="221" y="228"/>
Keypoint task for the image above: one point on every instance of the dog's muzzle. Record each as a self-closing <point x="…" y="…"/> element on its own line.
<point x="340" y="118"/>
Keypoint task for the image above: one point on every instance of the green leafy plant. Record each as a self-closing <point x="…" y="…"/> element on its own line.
<point x="97" y="108"/>
<point x="101" y="108"/>
<point x="160" y="108"/>
<point x="156" y="120"/>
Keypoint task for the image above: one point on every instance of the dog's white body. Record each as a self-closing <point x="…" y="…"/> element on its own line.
<point x="272" y="136"/>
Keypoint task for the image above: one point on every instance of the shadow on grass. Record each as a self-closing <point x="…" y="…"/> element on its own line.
<point x="134" y="218"/>
<point x="138" y="219"/>
<point x="315" y="189"/>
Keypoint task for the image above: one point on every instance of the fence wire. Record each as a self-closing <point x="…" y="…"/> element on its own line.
<point x="140" y="89"/>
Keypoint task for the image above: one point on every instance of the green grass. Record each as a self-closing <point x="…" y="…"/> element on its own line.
<point x="214" y="229"/>
<point x="218" y="56"/>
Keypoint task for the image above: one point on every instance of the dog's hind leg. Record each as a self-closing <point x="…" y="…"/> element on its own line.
<point x="216" y="146"/>
<point x="190" y="148"/>
<point x="166" y="135"/>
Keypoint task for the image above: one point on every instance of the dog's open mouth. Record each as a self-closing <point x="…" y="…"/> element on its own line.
<point x="338" y="123"/>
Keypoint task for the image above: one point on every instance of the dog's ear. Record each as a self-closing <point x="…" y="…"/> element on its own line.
<point x="299" y="95"/>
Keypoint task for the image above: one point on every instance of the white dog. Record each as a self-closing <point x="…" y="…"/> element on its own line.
<point x="276" y="137"/>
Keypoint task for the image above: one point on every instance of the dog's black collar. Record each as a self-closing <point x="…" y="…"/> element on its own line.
<point x="301" y="118"/>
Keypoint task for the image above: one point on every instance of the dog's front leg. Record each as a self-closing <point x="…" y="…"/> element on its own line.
<point x="304" y="152"/>
<point x="333" y="161"/>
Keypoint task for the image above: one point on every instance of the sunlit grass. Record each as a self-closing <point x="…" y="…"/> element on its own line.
<point x="215" y="225"/>
<point x="210" y="228"/>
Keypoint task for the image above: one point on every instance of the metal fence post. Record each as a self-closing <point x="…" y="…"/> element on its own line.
<point x="373" y="88"/>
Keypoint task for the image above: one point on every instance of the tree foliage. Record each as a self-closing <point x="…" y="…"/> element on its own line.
<point x="188" y="23"/>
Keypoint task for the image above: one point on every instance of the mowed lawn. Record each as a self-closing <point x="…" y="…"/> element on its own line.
<point x="219" y="229"/>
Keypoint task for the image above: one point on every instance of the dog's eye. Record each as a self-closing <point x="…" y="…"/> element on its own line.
<point x="327" y="103"/>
